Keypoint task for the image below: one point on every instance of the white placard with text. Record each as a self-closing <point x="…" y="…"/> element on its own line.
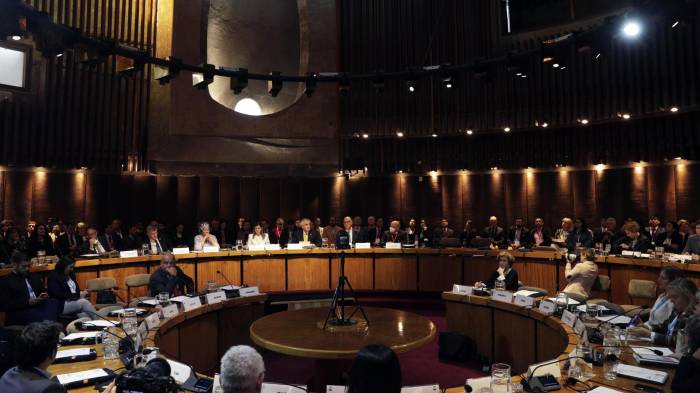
<point x="152" y="321"/>
<point x="525" y="301"/>
<point x="248" y="291"/>
<point x="210" y="249"/>
<point x="362" y="246"/>
<point x="462" y="289"/>
<point x="170" y="311"/>
<point x="181" y="250"/>
<point x="502" y="296"/>
<point x="272" y="247"/>
<point x="256" y="247"/>
<point x="190" y="303"/>
<point x="547" y="307"/>
<point x="568" y="318"/>
<point x="128" y="254"/>
<point x="216" y="297"/>
<point x="391" y="245"/>
<point x="295" y="246"/>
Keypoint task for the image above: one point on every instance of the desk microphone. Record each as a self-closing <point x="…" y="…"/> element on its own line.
<point x="219" y="272"/>
<point x="644" y="307"/>
<point x="535" y="385"/>
<point x="127" y="346"/>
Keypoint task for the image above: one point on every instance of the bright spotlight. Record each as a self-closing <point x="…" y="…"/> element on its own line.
<point x="248" y="106"/>
<point x="631" y="29"/>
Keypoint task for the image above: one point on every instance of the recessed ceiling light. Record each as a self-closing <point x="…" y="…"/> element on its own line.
<point x="399" y="134"/>
<point x="469" y="132"/>
<point x="674" y="109"/>
<point x="365" y="136"/>
<point x="434" y="135"/>
<point x="507" y="129"/>
<point x="584" y="121"/>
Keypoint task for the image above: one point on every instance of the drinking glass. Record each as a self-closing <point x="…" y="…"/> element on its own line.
<point x="610" y="366"/>
<point x="562" y="302"/>
<point x="110" y="344"/>
<point x="211" y="286"/>
<point x="591" y="311"/>
<point x="324" y="242"/>
<point x="500" y="378"/>
<point x="500" y="285"/>
<point x="239" y="245"/>
<point x="41" y="257"/>
<point x="129" y="322"/>
<point x="163" y="298"/>
<point x="611" y="342"/>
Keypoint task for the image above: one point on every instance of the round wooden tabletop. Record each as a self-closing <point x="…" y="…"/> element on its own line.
<point x="300" y="333"/>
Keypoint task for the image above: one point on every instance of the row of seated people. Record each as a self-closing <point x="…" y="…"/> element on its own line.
<point x="37" y="239"/>
<point x="375" y="369"/>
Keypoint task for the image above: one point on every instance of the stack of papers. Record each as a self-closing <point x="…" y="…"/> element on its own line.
<point x="643" y="374"/>
<point x="572" y="302"/>
<point x="616" y="319"/>
<point x="69" y="353"/>
<point x="280" y="388"/>
<point x="65" y="379"/>
<point x="644" y="355"/>
<point x="525" y="292"/>
<point x="100" y="323"/>
<point x="82" y="335"/>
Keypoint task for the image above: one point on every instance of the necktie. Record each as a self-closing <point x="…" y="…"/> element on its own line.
<point x="306" y="237"/>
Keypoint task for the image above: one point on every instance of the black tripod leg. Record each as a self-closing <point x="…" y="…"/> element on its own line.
<point x="358" y="305"/>
<point x="333" y="305"/>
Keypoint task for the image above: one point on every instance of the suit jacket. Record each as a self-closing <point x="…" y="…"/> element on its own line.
<point x="546" y="238"/>
<point x="131" y="243"/>
<point x="692" y="246"/>
<point x="687" y="378"/>
<point x="59" y="289"/>
<point x="274" y="238"/>
<point x="15" y="295"/>
<point x="523" y="239"/>
<point x="116" y="242"/>
<point x="443" y="233"/>
<point x="286" y="238"/>
<point x="607" y="237"/>
<point x="388" y="238"/>
<point x="164" y="244"/>
<point x="494" y="233"/>
<point x="34" y="245"/>
<point x="314" y="237"/>
<point x="653" y="237"/>
<point x="162" y="281"/>
<point x="465" y="238"/>
<point x="642" y="244"/>
<point x="511" y="280"/>
<point x="86" y="248"/>
<point x="585" y="237"/>
<point x="676" y="240"/>
<point x="412" y="237"/>
<point x="373" y="233"/>
<point x="358" y="235"/>
<point x="29" y="381"/>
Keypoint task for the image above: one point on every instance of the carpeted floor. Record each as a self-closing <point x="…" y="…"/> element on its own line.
<point x="419" y="367"/>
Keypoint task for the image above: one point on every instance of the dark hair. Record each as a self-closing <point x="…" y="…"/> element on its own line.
<point x="37" y="342"/>
<point x="583" y="223"/>
<point x="376" y="369"/>
<point x="672" y="273"/>
<point x="62" y="264"/>
<point x="18" y="257"/>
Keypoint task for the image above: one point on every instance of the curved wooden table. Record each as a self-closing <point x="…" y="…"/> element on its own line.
<point x="298" y="333"/>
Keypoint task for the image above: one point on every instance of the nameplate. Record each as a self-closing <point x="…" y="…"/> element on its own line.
<point x="462" y="289"/>
<point x="278" y="388"/>
<point x="502" y="296"/>
<point x="216" y="297"/>
<point x="295" y="246"/>
<point x="525" y="301"/>
<point x="170" y="311"/>
<point x="642" y="255"/>
<point x="190" y="303"/>
<point x="547" y="307"/>
<point x="272" y="247"/>
<point x="152" y="321"/>
<point x="568" y="318"/>
<point x="248" y="291"/>
<point x="627" y="253"/>
<point x="128" y="254"/>
<point x="181" y="250"/>
<point x="210" y="249"/>
<point x="362" y="246"/>
<point x="393" y="245"/>
<point x="579" y="327"/>
<point x="256" y="247"/>
<point x="637" y="254"/>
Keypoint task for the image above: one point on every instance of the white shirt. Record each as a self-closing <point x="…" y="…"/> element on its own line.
<point x="254" y="240"/>
<point x="662" y="309"/>
<point x="72" y="286"/>
<point x="199" y="242"/>
<point x="32" y="295"/>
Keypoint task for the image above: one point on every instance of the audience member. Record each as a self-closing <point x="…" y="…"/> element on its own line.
<point x="685" y="231"/>
<point x="258" y="238"/>
<point x="663" y="307"/>
<point x="633" y="240"/>
<point x="692" y="245"/>
<point x="669" y="239"/>
<point x="154" y="244"/>
<point x="94" y="244"/>
<point x="205" y="238"/>
<point x="39" y="241"/>
<point x="376" y="369"/>
<point x="580" y="278"/>
<point x="305" y="235"/>
<point x="394" y="234"/>
<point x="654" y="230"/>
<point x="580" y="236"/>
<point x="63" y="286"/>
<point x="169" y="278"/>
<point x="518" y="234"/>
<point x="443" y="232"/>
<point x="687" y="376"/>
<point x="540" y="236"/>
<point x="493" y="231"/>
<point x="609" y="234"/>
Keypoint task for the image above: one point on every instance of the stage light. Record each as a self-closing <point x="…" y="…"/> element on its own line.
<point x="470" y="132"/>
<point x="58" y="55"/>
<point x="583" y="121"/>
<point x="201" y="80"/>
<point x="433" y="173"/>
<point x="238" y="81"/>
<point x="678" y="158"/>
<point x="555" y="65"/>
<point x="411" y="85"/>
<point x="597" y="56"/>
<point x="545" y="125"/>
<point x="562" y="68"/>
<point x="16" y="37"/>
<point x="625" y="116"/>
<point x="164" y="74"/>
<point x="274" y="86"/>
<point x="523" y="76"/>
<point x="674" y="109"/>
<point x="365" y="136"/>
<point x="310" y="85"/>
<point x="599" y="167"/>
<point x="399" y="134"/>
<point x="631" y="29"/>
<point x="507" y="129"/>
<point x="248" y="106"/>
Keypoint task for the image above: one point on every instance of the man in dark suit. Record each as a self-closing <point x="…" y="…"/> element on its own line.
<point x="518" y="235"/>
<point x="654" y="230"/>
<point x="24" y="296"/>
<point x="133" y="239"/>
<point x="493" y="231"/>
<point x="169" y="278"/>
<point x="306" y="235"/>
<point x="95" y="243"/>
<point x="154" y="243"/>
<point x="394" y="234"/>
<point x="611" y="235"/>
<point x="35" y="348"/>
<point x="288" y="233"/>
<point x="444" y="232"/>
<point x="540" y="236"/>
<point x="349" y="230"/>
<point x="373" y="232"/>
<point x="633" y="240"/>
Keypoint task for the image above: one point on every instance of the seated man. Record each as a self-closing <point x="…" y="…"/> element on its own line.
<point x="633" y="240"/>
<point x="394" y="234"/>
<point x="242" y="370"/>
<point x="493" y="231"/>
<point x="518" y="235"/>
<point x="169" y="278"/>
<point x="444" y="232"/>
<point x="305" y="235"/>
<point x="155" y="244"/>
<point x="24" y="296"/>
<point x="95" y="244"/>
<point x="35" y="349"/>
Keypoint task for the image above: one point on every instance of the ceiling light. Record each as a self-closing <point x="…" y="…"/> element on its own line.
<point x="674" y="109"/>
<point x="248" y="106"/>
<point x="631" y="29"/>
<point x="545" y="125"/>
<point x="470" y="132"/>
<point x="597" y="56"/>
<point x="555" y="65"/>
<point x="507" y="129"/>
<point x="434" y="135"/>
<point x="411" y="85"/>
<point x="16" y="37"/>
<point x="365" y="136"/>
<point x="626" y="116"/>
<point x="399" y="134"/>
<point x="584" y="121"/>
<point x="675" y="24"/>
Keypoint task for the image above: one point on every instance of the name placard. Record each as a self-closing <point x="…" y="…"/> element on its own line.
<point x="272" y="247"/>
<point x="568" y="318"/>
<point x="181" y="250"/>
<point x="525" y="301"/>
<point x="547" y="307"/>
<point x="362" y="246"/>
<point x="256" y="247"/>
<point x="190" y="303"/>
<point x="502" y="296"/>
<point x="216" y="297"/>
<point x="295" y="246"/>
<point x="128" y="254"/>
<point x="142" y="330"/>
<point x="152" y="321"/>
<point x="210" y="249"/>
<point x="170" y="311"/>
<point x="462" y="289"/>
<point x="249" y="291"/>
<point x="579" y="327"/>
<point x="627" y="253"/>
<point x="391" y="245"/>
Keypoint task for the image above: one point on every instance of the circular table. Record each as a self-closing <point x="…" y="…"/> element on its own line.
<point x="300" y="333"/>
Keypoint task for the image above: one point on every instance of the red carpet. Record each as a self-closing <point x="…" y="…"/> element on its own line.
<point x="419" y="367"/>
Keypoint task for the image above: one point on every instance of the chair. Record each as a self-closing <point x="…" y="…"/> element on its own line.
<point x="639" y="289"/>
<point x="72" y="328"/>
<point x="102" y="284"/>
<point x="601" y="284"/>
<point x="135" y="281"/>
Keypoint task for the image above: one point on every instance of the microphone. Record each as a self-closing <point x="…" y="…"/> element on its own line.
<point x="126" y="343"/>
<point x="219" y="272"/>
<point x="534" y="385"/>
<point x="644" y="307"/>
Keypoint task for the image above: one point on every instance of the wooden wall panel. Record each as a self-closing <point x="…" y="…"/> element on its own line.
<point x="141" y="199"/>
<point x="97" y="202"/>
<point x="290" y="198"/>
<point x="207" y="198"/>
<point x="430" y="200"/>
<point x="310" y="189"/>
<point x="661" y="195"/>
<point x="583" y="190"/>
<point x="549" y="196"/>
<point x="186" y="200"/>
<point x="391" y="200"/>
<point x="268" y="203"/>
<point x="374" y="195"/>
<point x="451" y="202"/>
<point x="332" y="199"/>
<point x="249" y="198"/>
<point x="18" y="196"/>
<point x="166" y="199"/>
<point x="60" y="192"/>
<point x="687" y="194"/>
<point x="357" y="196"/>
<point x="614" y="182"/>
<point x="410" y="205"/>
<point x="515" y="197"/>
<point x="229" y="195"/>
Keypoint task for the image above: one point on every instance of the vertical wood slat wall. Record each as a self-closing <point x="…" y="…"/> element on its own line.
<point x="78" y="116"/>
<point x="670" y="191"/>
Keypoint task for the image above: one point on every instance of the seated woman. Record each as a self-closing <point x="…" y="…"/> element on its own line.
<point x="376" y="369"/>
<point x="687" y="378"/>
<point x="63" y="286"/>
<point x="581" y="236"/>
<point x="581" y="277"/>
<point x="683" y="295"/>
<point x="258" y="238"/>
<point x="562" y="234"/>
<point x="670" y="240"/>
<point x="205" y="238"/>
<point x="468" y="234"/>
<point x="663" y="307"/>
<point x="40" y="241"/>
<point x="504" y="272"/>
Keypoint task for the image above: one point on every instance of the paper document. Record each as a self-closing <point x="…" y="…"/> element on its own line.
<point x="101" y="323"/>
<point x="479" y="383"/>
<point x="421" y="389"/>
<point x="618" y="319"/>
<point x="279" y="388"/>
<point x="179" y="371"/>
<point x="69" y="353"/>
<point x="582" y="308"/>
<point x="65" y="379"/>
<point x="645" y="374"/>
<point x="524" y="292"/>
<point x="120" y="312"/>
<point x="603" y="389"/>
<point x="336" y="389"/>
<point x="178" y="299"/>
<point x="150" y="302"/>
<point x="644" y="355"/>
<point x="572" y="302"/>
<point x="75" y="336"/>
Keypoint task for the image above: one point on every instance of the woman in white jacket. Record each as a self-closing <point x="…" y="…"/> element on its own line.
<point x="258" y="238"/>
